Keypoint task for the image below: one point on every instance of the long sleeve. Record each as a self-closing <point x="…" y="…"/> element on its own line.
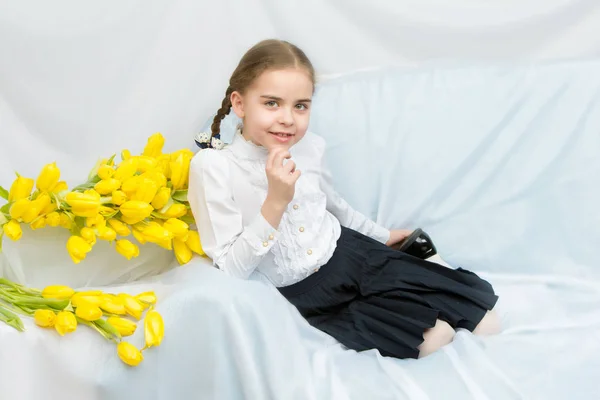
<point x="234" y="248"/>
<point x="340" y="208"/>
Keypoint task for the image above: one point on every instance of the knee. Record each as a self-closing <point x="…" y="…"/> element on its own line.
<point x="489" y="325"/>
<point x="440" y="335"/>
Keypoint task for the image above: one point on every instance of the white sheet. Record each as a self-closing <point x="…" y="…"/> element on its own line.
<point x="527" y="224"/>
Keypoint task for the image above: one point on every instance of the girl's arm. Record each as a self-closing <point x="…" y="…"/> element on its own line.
<point x="347" y="216"/>
<point x="234" y="248"/>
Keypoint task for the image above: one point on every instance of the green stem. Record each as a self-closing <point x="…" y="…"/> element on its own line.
<point x="11" y="319"/>
<point x="92" y="325"/>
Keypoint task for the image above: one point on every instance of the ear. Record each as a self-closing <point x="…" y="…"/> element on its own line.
<point x="237" y="104"/>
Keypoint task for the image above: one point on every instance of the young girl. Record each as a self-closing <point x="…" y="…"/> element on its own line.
<point x="256" y="211"/>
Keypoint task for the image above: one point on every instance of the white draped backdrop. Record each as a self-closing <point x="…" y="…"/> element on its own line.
<point x="80" y="80"/>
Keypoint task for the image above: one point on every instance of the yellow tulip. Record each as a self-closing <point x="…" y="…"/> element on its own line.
<point x="180" y="171"/>
<point x="44" y="318"/>
<point x="20" y="189"/>
<point x="146" y="297"/>
<point x="175" y="211"/>
<point x="93" y="193"/>
<point x="78" y="248"/>
<point x="139" y="236"/>
<point x="124" y="326"/>
<point x="119" y="227"/>
<point x="59" y="187"/>
<point x="162" y="198"/>
<point x="193" y="242"/>
<point x="118" y="197"/>
<point x="163" y="165"/>
<point x="48" y="209"/>
<point x="89" y="235"/>
<point x="65" y="221"/>
<point x="19" y="207"/>
<point x="107" y="186"/>
<point x="38" y="223"/>
<point x="88" y="312"/>
<point x="59" y="292"/>
<point x="127" y="249"/>
<point x="79" y="299"/>
<point x="154" y="145"/>
<point x="177" y="227"/>
<point x="108" y="212"/>
<point x="106" y="233"/>
<point x="145" y="163"/>
<point x="12" y="230"/>
<point x="146" y="190"/>
<point x="154" y="328"/>
<point x="132" y="306"/>
<point x="105" y="171"/>
<point x="95" y="221"/>
<point x="48" y="178"/>
<point x="185" y="152"/>
<point x="65" y="323"/>
<point x="154" y="232"/>
<point x="129" y="354"/>
<point x="126" y="169"/>
<point x="32" y="212"/>
<point x="112" y="304"/>
<point x="157" y="176"/>
<point x="135" y="210"/>
<point x="53" y="219"/>
<point x="131" y="185"/>
<point x="182" y="251"/>
<point x="83" y="204"/>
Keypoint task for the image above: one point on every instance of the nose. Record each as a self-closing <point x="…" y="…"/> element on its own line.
<point x="286" y="117"/>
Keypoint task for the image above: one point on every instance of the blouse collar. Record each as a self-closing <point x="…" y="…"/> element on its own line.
<point x="246" y="149"/>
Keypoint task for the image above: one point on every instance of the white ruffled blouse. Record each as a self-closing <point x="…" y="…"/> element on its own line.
<point x="226" y="191"/>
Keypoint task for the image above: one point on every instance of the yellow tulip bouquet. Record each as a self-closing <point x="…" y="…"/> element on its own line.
<point x="63" y="309"/>
<point x="143" y="195"/>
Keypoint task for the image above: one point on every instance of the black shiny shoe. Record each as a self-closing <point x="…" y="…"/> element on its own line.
<point x="417" y="244"/>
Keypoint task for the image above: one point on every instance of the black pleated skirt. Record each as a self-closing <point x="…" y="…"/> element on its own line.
<point x="369" y="296"/>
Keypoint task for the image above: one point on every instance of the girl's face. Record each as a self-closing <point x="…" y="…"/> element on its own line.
<point x="275" y="108"/>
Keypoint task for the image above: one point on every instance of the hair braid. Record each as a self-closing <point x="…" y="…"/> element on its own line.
<point x="215" y="128"/>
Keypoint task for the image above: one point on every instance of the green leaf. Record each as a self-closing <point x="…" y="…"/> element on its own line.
<point x="6" y="208"/>
<point x="111" y="159"/>
<point x="108" y="328"/>
<point x="159" y="216"/>
<point x="11" y="319"/>
<point x="180" y="195"/>
<point x="3" y="193"/>
<point x="188" y="220"/>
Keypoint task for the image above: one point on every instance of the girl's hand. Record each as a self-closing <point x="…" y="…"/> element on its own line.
<point x="282" y="178"/>
<point x="398" y="235"/>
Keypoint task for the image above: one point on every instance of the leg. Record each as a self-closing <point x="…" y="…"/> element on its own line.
<point x="440" y="335"/>
<point x="489" y="325"/>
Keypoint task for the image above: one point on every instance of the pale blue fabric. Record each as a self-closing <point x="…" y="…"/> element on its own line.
<point x="499" y="164"/>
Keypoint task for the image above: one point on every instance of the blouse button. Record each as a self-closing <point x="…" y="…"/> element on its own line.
<point x="316" y="269"/>
<point x="301" y="229"/>
<point x="271" y="237"/>
<point x="265" y="244"/>
<point x="296" y="206"/>
<point x="309" y="252"/>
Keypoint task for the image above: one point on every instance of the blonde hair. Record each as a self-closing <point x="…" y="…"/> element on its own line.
<point x="265" y="55"/>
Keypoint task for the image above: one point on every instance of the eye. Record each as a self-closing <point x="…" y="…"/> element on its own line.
<point x="271" y="103"/>
<point x="301" y="106"/>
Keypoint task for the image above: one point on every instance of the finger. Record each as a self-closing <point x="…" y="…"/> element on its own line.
<point x="271" y="158"/>
<point x="295" y="175"/>
<point x="289" y="167"/>
<point x="278" y="158"/>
